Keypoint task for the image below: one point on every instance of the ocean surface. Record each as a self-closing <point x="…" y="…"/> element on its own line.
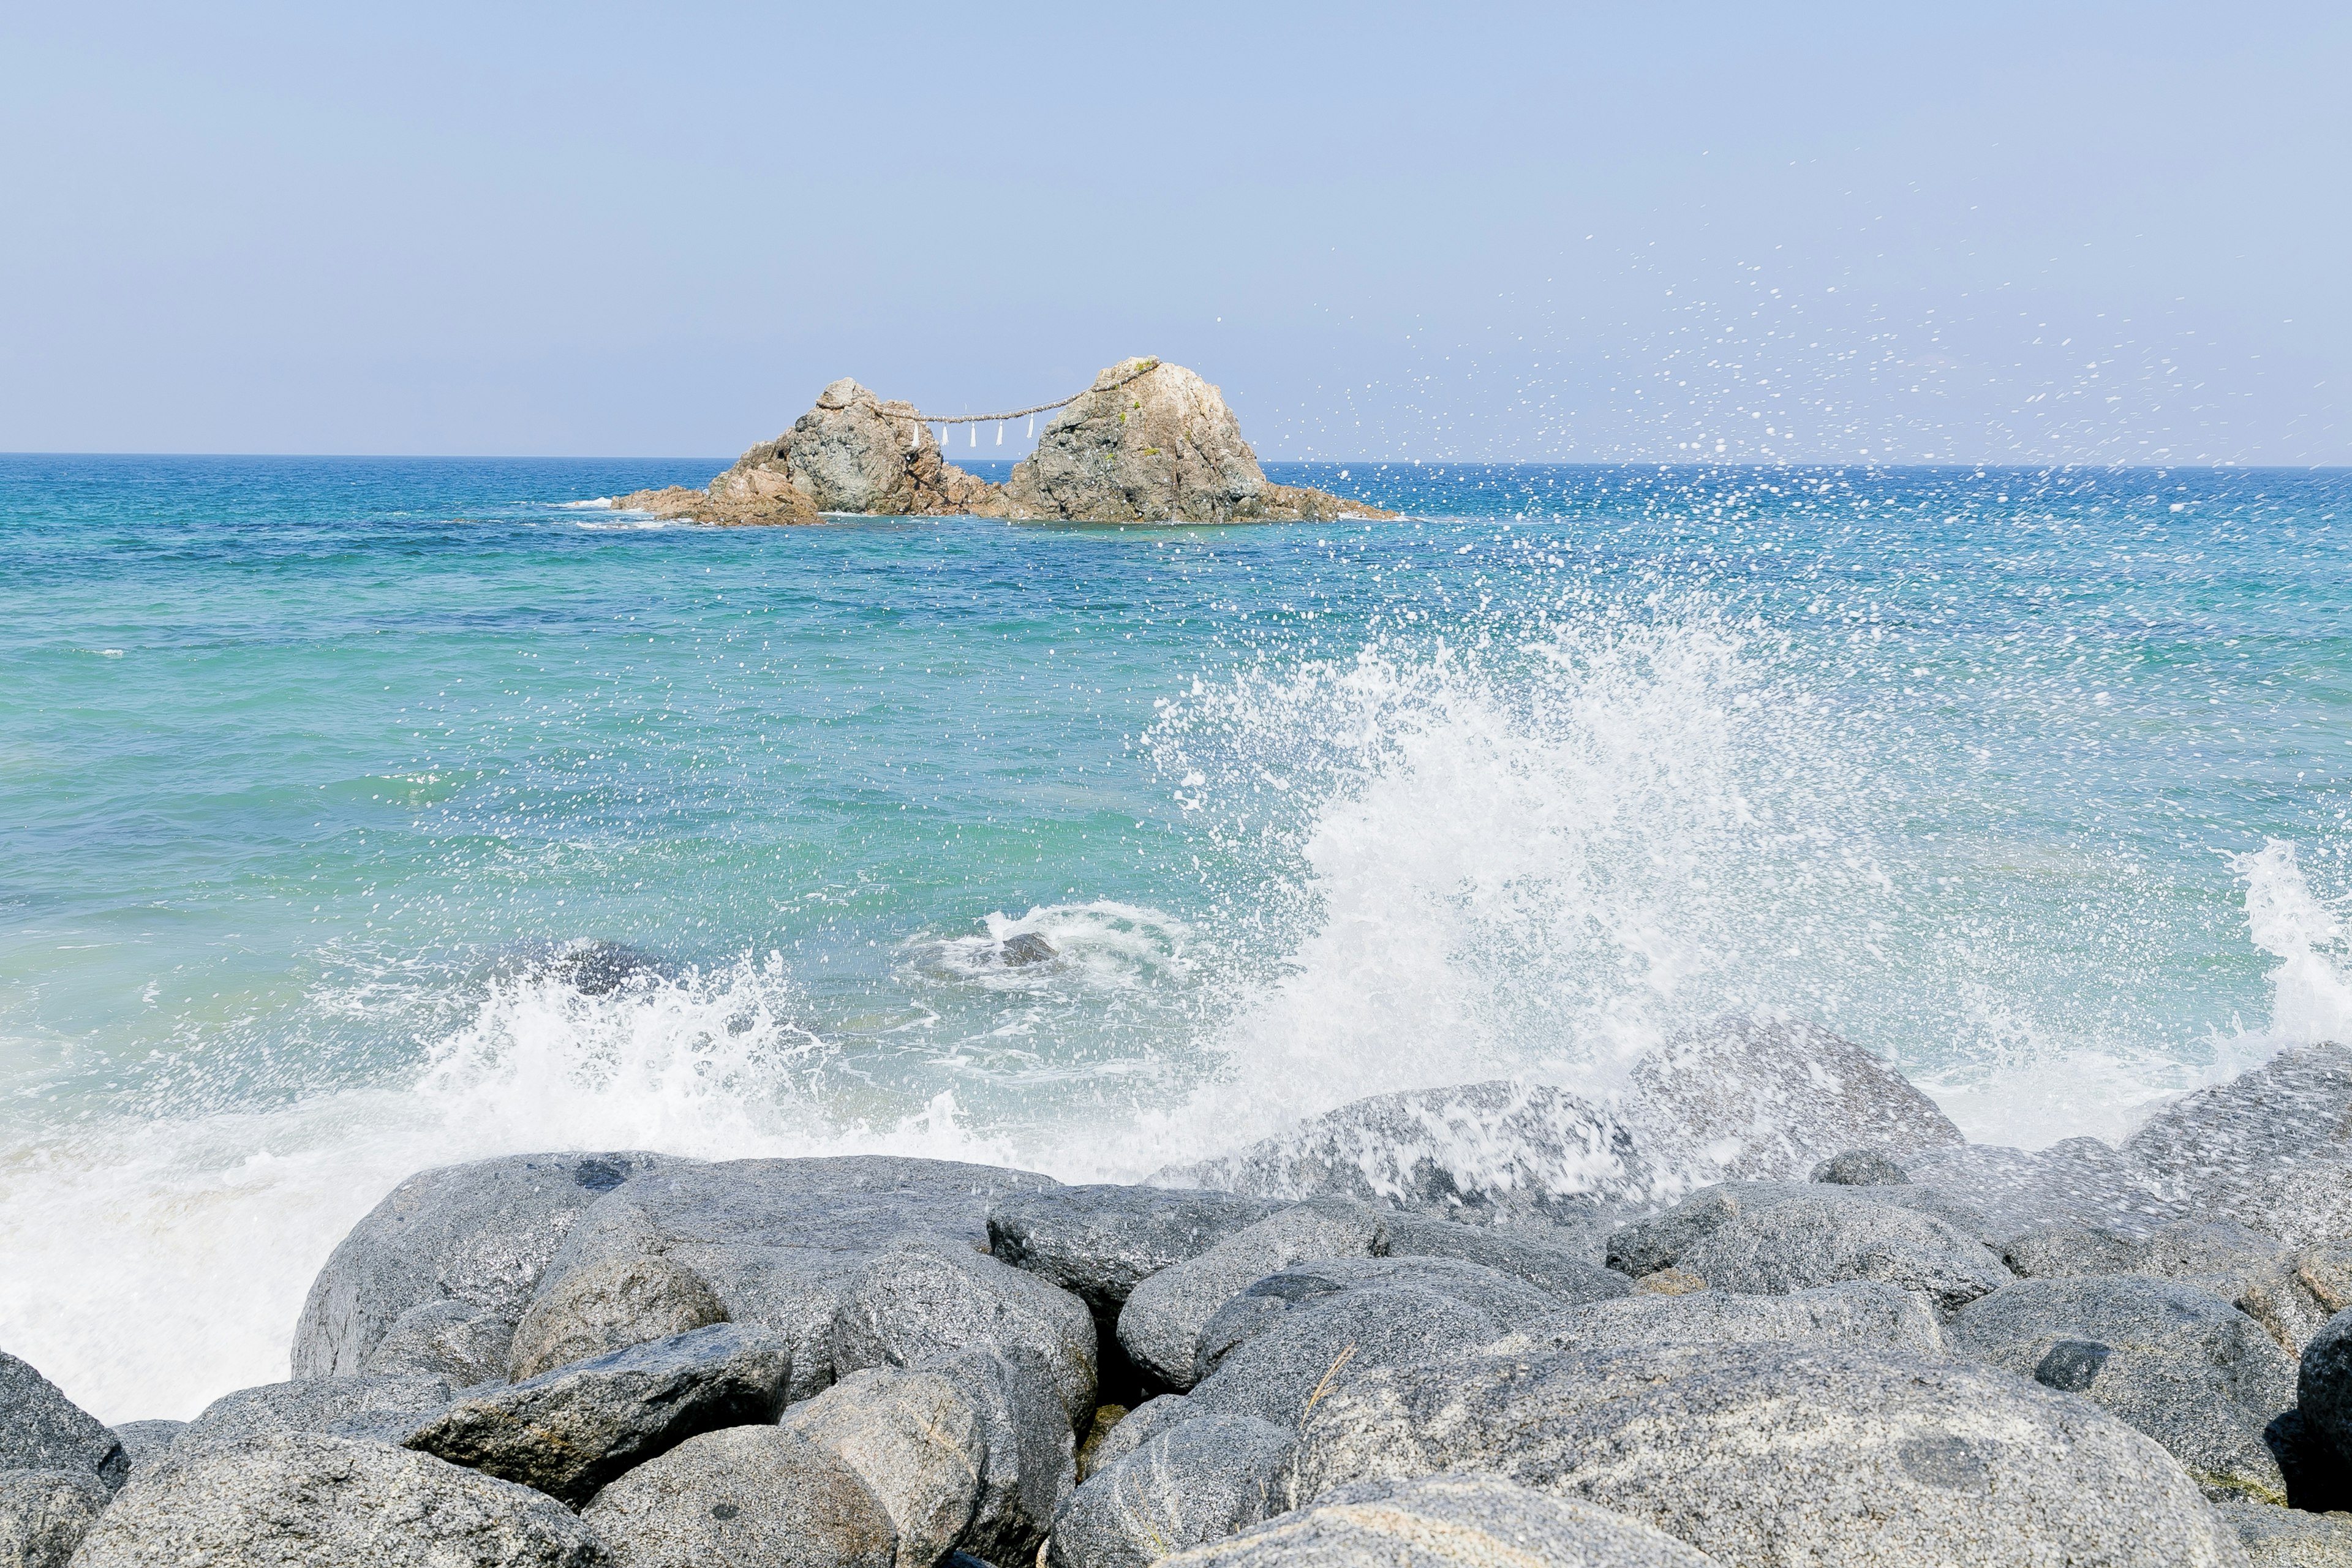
<point x="362" y="815"/>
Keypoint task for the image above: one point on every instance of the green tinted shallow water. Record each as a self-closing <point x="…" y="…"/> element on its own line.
<point x="307" y="769"/>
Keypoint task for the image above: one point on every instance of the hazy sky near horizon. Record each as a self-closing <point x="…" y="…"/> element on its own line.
<point x="2089" y="232"/>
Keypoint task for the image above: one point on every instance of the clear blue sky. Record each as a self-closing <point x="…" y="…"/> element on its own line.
<point x="1992" y="232"/>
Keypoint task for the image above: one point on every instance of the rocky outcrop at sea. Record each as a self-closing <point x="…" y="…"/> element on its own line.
<point x="1763" y="1305"/>
<point x="1148" y="442"/>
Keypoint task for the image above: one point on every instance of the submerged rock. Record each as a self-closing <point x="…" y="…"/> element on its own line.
<point x="746" y="1495"/>
<point x="44" y="1514"/>
<point x="301" y="1499"/>
<point x="2183" y="1366"/>
<point x="41" y="1429"/>
<point x="1446" y="1521"/>
<point x="1154" y="443"/>
<point x="569" y="1431"/>
<point x="481" y="1234"/>
<point x="1765" y="1455"/>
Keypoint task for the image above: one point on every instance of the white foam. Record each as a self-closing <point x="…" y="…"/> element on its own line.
<point x="584" y="505"/>
<point x="2311" y="989"/>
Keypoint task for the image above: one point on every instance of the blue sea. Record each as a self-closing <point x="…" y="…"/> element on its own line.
<point x="359" y="814"/>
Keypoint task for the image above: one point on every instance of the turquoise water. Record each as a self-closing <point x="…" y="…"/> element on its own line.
<point x="311" y="770"/>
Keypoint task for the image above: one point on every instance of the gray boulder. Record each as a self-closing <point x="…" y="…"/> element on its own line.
<point x="2296" y="1293"/>
<point x="2269" y="1148"/>
<point x="456" y="1339"/>
<point x="1655" y="1243"/>
<point x="1500" y="1300"/>
<point x="2183" y="1366"/>
<point x="1162" y="1320"/>
<point x="41" y="1429"/>
<point x="1761" y="1455"/>
<point x="747" y="1495"/>
<point x="2219" y="1256"/>
<point x="1557" y="1271"/>
<point x="1154" y="443"/>
<point x="609" y="1306"/>
<point x="926" y="1297"/>
<point x="1029" y="1464"/>
<point x="2277" y="1537"/>
<point x="1198" y="1481"/>
<point x="2079" y="1180"/>
<point x="779" y="1242"/>
<point x="1097" y="1242"/>
<point x="1446" y="1521"/>
<point x="1522" y="1152"/>
<point x="569" y="1431"/>
<point x="915" y="1441"/>
<point x="1767" y="1099"/>
<point x="1860" y="1315"/>
<point x="2324" y="1383"/>
<point x="2069" y="1249"/>
<point x="144" y="1442"/>
<point x="44" y="1514"/>
<point x="1141" y="1425"/>
<point x="481" y="1234"/>
<point x="1770" y="1239"/>
<point x="301" y="1499"/>
<point x="1861" y="1168"/>
<point x="385" y="1409"/>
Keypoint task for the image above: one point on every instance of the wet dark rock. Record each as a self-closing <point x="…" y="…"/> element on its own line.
<point x="1025" y="948"/>
<point x="1198" y="1481"/>
<point x="1859" y="1315"/>
<point x="1768" y="1456"/>
<point x="916" y="1300"/>
<point x="2271" y="1148"/>
<point x="916" y="1442"/>
<point x="601" y="968"/>
<point x="44" y="1514"/>
<point x="779" y="1242"/>
<point x="301" y="1499"/>
<point x="569" y="1431"/>
<point x="41" y="1429"/>
<point x="1164" y="1315"/>
<point x="2317" y="1478"/>
<point x="1484" y="1152"/>
<point x="1769" y="1100"/>
<point x="1098" y="1242"/>
<point x="2324" y="1383"/>
<point x="385" y="1409"/>
<point x="456" y="1339"/>
<point x="747" y="1494"/>
<point x="1446" y="1521"/>
<point x="481" y="1234"/>
<point x="610" y="1306"/>
<point x="1861" y="1168"/>
<point x="2178" y="1363"/>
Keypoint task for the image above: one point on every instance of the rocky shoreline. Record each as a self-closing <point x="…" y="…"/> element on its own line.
<point x="1764" y="1305"/>
<point x="1148" y="442"/>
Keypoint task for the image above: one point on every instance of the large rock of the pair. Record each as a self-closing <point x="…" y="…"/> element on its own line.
<point x="1149" y="442"/>
<point x="1164" y="1315"/>
<point x="2277" y="1537"/>
<point x="569" y="1431"/>
<point x="747" y="1495"/>
<point x="609" y="1306"/>
<point x="916" y="1442"/>
<point x="41" y="1429"/>
<point x="1774" y="1237"/>
<point x="1864" y="1315"/>
<point x="919" y="1299"/>
<point x="303" y="1499"/>
<point x="2271" y="1148"/>
<point x="2078" y="1182"/>
<point x="2296" y="1292"/>
<point x="779" y="1242"/>
<point x="1098" y="1242"/>
<point x="481" y="1234"/>
<point x="1765" y="1457"/>
<point x="1772" y="1099"/>
<point x="1446" y="1521"/>
<point x="1196" y="1482"/>
<point x="2183" y="1366"/>
<point x="385" y="1408"/>
<point x="44" y="1514"/>
<point x="456" y="1339"/>
<point x="1501" y="1151"/>
<point x="1499" y="1301"/>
